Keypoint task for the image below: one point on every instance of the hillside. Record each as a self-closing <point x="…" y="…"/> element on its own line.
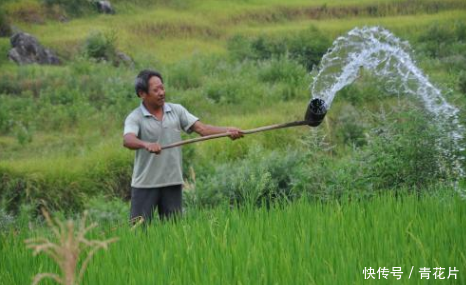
<point x="241" y="63"/>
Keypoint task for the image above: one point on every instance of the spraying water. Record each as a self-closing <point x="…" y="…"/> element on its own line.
<point x="386" y="56"/>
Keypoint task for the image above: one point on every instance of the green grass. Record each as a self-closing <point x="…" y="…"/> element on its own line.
<point x="168" y="34"/>
<point x="298" y="243"/>
<point x="61" y="145"/>
<point x="60" y="140"/>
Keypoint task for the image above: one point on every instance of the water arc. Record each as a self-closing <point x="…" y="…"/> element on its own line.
<point x="377" y="50"/>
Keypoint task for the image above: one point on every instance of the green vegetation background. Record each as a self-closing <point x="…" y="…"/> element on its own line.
<point x="241" y="63"/>
<point x="369" y="186"/>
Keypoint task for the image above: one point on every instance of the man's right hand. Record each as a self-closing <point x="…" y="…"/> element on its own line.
<point x="153" y="147"/>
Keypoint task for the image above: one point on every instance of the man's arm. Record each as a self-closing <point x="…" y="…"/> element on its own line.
<point x="131" y="141"/>
<point x="205" y="130"/>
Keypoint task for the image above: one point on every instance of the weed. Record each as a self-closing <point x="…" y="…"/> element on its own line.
<point x="70" y="246"/>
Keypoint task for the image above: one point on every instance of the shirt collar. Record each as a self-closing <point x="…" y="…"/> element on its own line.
<point x="166" y="109"/>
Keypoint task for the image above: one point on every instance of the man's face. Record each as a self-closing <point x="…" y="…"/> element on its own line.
<point x="155" y="97"/>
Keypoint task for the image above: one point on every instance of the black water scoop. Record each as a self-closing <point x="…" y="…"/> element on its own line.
<point x="315" y="113"/>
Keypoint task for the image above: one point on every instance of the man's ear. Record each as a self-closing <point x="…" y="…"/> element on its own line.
<point x="142" y="94"/>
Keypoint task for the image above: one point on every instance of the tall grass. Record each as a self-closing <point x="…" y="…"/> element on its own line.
<point x="300" y="243"/>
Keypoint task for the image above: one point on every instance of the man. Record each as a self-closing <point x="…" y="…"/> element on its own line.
<point x="157" y="175"/>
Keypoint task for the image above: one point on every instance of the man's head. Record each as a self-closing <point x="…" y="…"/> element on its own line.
<point x="141" y="84"/>
<point x="149" y="87"/>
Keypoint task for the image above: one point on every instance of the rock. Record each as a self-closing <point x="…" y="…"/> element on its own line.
<point x="63" y="19"/>
<point x="27" y="50"/>
<point x="105" y="7"/>
<point x="122" y="58"/>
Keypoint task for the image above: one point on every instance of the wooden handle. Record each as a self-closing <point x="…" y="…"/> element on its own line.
<point x="246" y="132"/>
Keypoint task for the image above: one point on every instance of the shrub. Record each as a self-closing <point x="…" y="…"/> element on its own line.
<point x="306" y="47"/>
<point x="256" y="48"/>
<point x="282" y="70"/>
<point x="185" y="74"/>
<point x="404" y="153"/>
<point x="101" y="46"/>
<point x="260" y="177"/>
<point x="72" y="7"/>
<point x="439" y="39"/>
<point x="462" y="82"/>
<point x="233" y="90"/>
<point x="24" y="133"/>
<point x="28" y="11"/>
<point x="5" y="29"/>
<point x="460" y="30"/>
<point x="350" y="127"/>
<point x="67" y="186"/>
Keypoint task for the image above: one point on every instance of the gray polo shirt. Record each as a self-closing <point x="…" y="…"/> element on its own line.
<point x="151" y="170"/>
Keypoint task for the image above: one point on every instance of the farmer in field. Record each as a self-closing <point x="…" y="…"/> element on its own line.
<point x="157" y="175"/>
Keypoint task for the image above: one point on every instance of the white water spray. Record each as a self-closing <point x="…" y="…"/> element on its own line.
<point x="386" y="56"/>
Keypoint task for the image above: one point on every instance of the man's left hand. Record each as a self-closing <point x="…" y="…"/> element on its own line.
<point x="235" y="133"/>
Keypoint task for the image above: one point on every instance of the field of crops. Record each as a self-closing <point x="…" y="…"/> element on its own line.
<point x="298" y="243"/>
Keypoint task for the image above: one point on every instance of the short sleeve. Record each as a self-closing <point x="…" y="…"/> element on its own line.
<point x="187" y="119"/>
<point x="131" y="125"/>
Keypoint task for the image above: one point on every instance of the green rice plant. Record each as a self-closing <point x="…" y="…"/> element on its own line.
<point x="6" y="220"/>
<point x="70" y="246"/>
<point x="307" y="241"/>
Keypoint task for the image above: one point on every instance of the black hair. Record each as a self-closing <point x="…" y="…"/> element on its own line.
<point x="142" y="80"/>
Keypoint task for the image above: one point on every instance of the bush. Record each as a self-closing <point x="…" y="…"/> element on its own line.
<point x="73" y="8"/>
<point x="306" y="47"/>
<point x="460" y="31"/>
<point x="257" y="179"/>
<point x="5" y="29"/>
<point x="101" y="46"/>
<point x="185" y="75"/>
<point x="404" y="154"/>
<point x="28" y="11"/>
<point x="59" y="186"/>
<point x="256" y="48"/>
<point x="24" y="133"/>
<point x="462" y="82"/>
<point x="438" y="39"/>
<point x="350" y="129"/>
<point x="282" y="70"/>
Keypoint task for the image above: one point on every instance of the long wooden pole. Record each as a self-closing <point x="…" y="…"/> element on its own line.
<point x="246" y="132"/>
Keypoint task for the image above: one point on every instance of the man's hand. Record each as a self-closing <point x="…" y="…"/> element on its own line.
<point x="235" y="133"/>
<point x="153" y="147"/>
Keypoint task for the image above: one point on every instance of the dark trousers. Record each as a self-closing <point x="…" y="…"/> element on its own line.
<point x="166" y="200"/>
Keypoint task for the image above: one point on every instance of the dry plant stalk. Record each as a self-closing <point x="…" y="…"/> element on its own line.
<point x="70" y="245"/>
